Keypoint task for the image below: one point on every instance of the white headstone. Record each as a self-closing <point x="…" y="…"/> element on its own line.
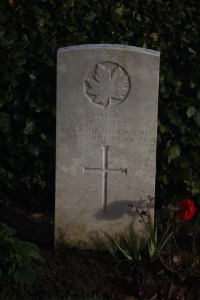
<point x="107" y="97"/>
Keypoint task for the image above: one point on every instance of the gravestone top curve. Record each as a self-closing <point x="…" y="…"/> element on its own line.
<point x="110" y="46"/>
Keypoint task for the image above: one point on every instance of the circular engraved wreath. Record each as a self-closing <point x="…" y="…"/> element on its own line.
<point x="107" y="84"/>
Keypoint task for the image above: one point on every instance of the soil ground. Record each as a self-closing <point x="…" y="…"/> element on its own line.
<point x="70" y="272"/>
<point x="75" y="274"/>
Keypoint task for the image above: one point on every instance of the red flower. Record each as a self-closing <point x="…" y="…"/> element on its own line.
<point x="186" y="210"/>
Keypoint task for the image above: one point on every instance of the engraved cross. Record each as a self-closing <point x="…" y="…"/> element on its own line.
<point x="105" y="170"/>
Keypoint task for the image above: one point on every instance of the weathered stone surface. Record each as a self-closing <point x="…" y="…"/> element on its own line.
<point x="107" y="98"/>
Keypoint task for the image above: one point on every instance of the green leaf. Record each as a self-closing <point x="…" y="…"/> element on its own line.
<point x="109" y="244"/>
<point x="195" y="190"/>
<point x="173" y="152"/>
<point x="152" y="241"/>
<point x="32" y="76"/>
<point x="26" y="249"/>
<point x="191" y="50"/>
<point x="193" y="84"/>
<point x="30" y="126"/>
<point x="124" y="251"/>
<point x="154" y="36"/>
<point x="21" y="260"/>
<point x="165" y="179"/>
<point x="119" y="12"/>
<point x="191" y="111"/>
<point x="185" y="40"/>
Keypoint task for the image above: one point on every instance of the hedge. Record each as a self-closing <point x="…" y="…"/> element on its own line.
<point x="30" y="34"/>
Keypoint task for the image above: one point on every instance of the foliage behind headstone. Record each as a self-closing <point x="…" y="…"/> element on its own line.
<point x="30" y="34"/>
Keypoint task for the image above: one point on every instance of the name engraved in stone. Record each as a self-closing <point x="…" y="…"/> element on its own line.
<point x="107" y="123"/>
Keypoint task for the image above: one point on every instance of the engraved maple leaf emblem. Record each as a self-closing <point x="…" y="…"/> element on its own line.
<point x="108" y="85"/>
